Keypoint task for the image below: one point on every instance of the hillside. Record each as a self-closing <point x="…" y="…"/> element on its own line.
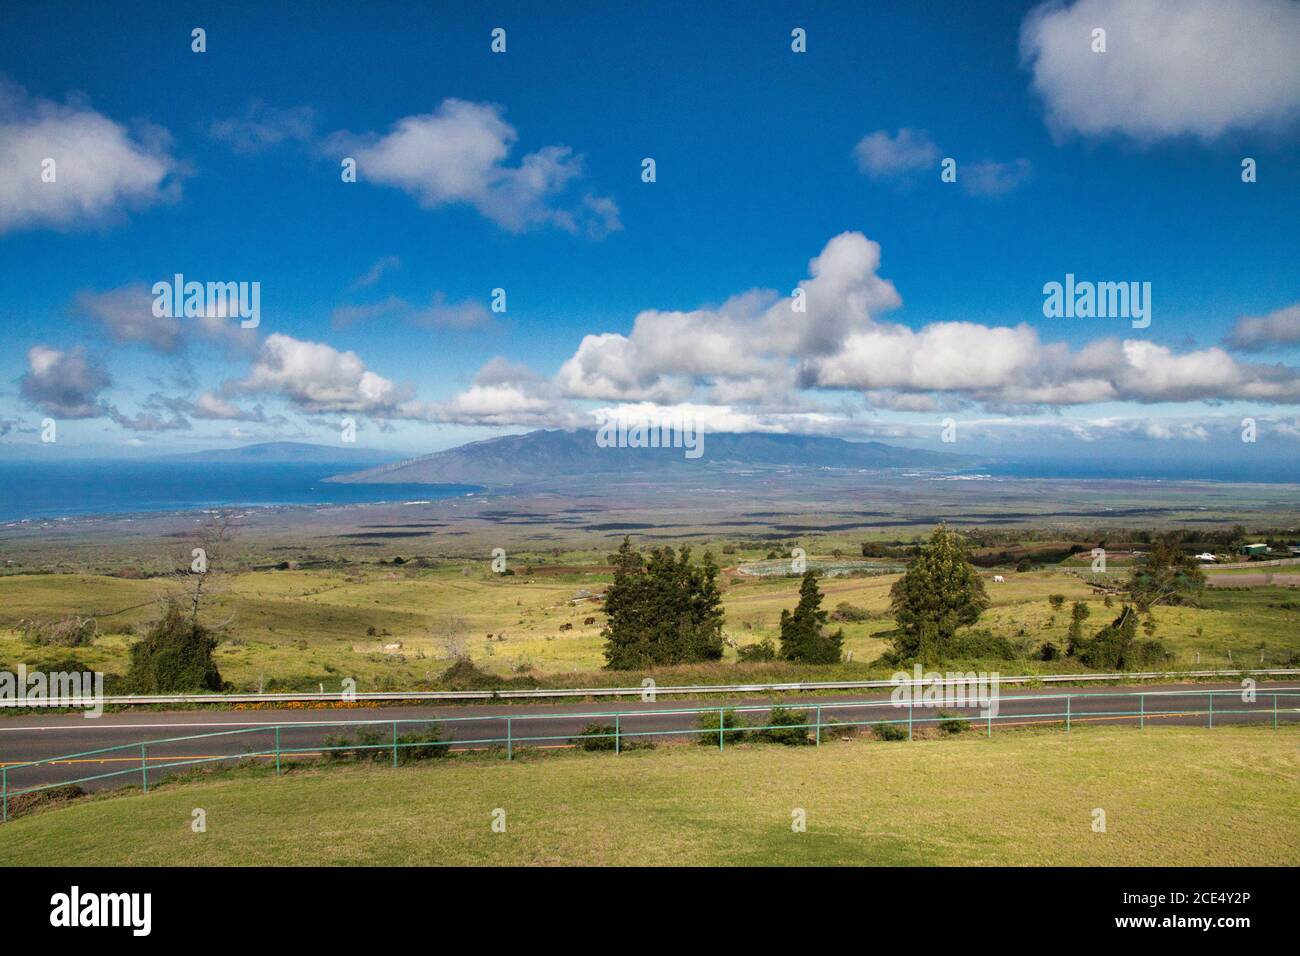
<point x="541" y="455"/>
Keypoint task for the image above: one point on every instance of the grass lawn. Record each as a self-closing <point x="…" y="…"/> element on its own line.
<point x="1172" y="796"/>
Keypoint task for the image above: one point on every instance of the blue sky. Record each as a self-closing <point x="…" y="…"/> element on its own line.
<point x="522" y="171"/>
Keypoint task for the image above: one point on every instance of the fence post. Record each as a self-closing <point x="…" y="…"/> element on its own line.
<point x="819" y="725"/>
<point x="722" y="722"/>
<point x="1067" y="713"/>
<point x="618" y="747"/>
<point x="394" y="743"/>
<point x="144" y="767"/>
<point x="989" y="714"/>
<point x="510" y="741"/>
<point x="1211" y="708"/>
<point x="909" y="719"/>
<point x="277" y="750"/>
<point x="1275" y="711"/>
<point x="1142" y="711"/>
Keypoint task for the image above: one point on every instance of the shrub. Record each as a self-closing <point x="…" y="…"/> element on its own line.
<point x="1049" y="652"/>
<point x="890" y="731"/>
<point x="174" y="655"/>
<point x="731" y="725"/>
<point x="764" y="650"/>
<point x="850" y="613"/>
<point x="982" y="644"/>
<point x="69" y="632"/>
<point x="426" y="744"/>
<point x="784" y="726"/>
<point x="597" y="737"/>
<point x="950" y="723"/>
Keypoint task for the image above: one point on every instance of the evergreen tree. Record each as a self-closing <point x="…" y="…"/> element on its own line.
<point x="803" y="636"/>
<point x="1078" y="614"/>
<point x="940" y="592"/>
<point x="662" y="610"/>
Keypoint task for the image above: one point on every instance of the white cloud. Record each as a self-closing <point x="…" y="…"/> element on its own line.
<point x="749" y="336"/>
<point x="507" y="394"/>
<point x="64" y="384"/>
<point x="457" y="154"/>
<point x="1198" y="67"/>
<point x="101" y="168"/>
<point x="881" y="155"/>
<point x="316" y="377"/>
<point x="1280" y="328"/>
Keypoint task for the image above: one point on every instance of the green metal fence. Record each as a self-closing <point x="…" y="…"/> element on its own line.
<point x="1267" y="705"/>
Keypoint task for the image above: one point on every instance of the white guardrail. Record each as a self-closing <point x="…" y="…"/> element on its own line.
<point x="514" y="693"/>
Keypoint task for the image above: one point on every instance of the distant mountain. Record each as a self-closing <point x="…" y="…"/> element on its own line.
<point x="291" y="452"/>
<point x="541" y="455"/>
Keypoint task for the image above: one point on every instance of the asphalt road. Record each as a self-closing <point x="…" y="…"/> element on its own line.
<point x="235" y="734"/>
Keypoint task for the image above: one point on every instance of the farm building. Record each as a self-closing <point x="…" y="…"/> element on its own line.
<point x="1253" y="550"/>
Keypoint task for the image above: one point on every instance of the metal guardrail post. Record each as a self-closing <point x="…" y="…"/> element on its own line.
<point x="989" y="714"/>
<point x="722" y="722"/>
<point x="510" y="741"/>
<point x="1211" y="708"/>
<point x="144" y="767"/>
<point x="819" y="725"/>
<point x="909" y="719"/>
<point x="618" y="743"/>
<point x="4" y="783"/>
<point x="1275" y="711"/>
<point x="394" y="743"/>
<point x="1142" y="711"/>
<point x="277" y="750"/>
<point x="1067" y="713"/>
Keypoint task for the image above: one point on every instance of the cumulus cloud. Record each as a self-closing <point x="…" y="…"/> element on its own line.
<point x="318" y="378"/>
<point x="263" y="127"/>
<point x="1005" y="365"/>
<point x="1278" y="329"/>
<point x="65" y="384"/>
<point x="755" y="350"/>
<point x="1193" y="67"/>
<point x="748" y="337"/>
<point x="504" y="393"/>
<point x="100" y="167"/>
<point x="458" y="154"/>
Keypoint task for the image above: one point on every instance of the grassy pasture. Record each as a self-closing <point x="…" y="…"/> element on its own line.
<point x="302" y="628"/>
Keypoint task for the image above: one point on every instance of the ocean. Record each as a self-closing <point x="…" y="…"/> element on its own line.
<point x="31" y="490"/>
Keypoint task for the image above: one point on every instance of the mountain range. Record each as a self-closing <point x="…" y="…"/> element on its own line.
<point x="540" y="455"/>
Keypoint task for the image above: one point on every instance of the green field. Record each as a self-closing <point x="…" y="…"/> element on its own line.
<point x="1171" y="795"/>
<point x="300" y="629"/>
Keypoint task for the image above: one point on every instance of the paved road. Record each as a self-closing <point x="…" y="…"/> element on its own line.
<point x="235" y="734"/>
